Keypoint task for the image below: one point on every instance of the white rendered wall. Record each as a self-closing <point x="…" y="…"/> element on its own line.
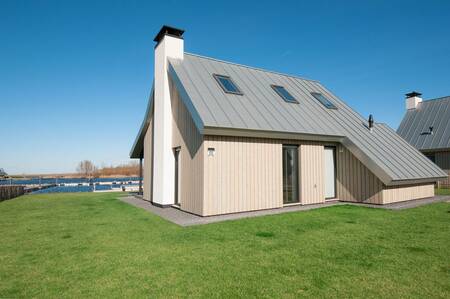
<point x="163" y="158"/>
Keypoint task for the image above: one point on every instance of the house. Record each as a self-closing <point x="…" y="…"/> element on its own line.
<point x="220" y="137"/>
<point x="426" y="126"/>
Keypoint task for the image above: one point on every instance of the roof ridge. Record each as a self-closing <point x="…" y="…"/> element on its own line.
<point x="437" y="99"/>
<point x="251" y="67"/>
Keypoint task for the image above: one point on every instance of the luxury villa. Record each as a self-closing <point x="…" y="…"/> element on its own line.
<point x="219" y="137"/>
<point x="426" y="126"/>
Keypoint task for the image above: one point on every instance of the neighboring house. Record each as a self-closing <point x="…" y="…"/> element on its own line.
<point x="220" y="137"/>
<point x="426" y="126"/>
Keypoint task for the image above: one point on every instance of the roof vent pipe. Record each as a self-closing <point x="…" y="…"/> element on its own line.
<point x="370" y="122"/>
<point x="429" y="132"/>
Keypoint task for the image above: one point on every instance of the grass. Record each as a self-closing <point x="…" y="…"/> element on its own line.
<point x="93" y="245"/>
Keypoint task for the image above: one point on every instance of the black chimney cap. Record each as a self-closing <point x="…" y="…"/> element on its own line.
<point x="413" y="94"/>
<point x="168" y="30"/>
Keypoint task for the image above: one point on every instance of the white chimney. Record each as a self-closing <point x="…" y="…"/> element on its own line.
<point x="413" y="99"/>
<point x="169" y="45"/>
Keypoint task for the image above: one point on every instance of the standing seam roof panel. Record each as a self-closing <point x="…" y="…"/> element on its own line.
<point x="262" y="85"/>
<point x="292" y="109"/>
<point x="260" y="106"/>
<point x="278" y="110"/>
<point x="388" y="157"/>
<point x="319" y="114"/>
<point x="315" y="117"/>
<point x="203" y="108"/>
<point x="428" y="113"/>
<point x="441" y="126"/>
<point x="218" y="111"/>
<point x="359" y="135"/>
<point x="407" y="155"/>
<point x="381" y="145"/>
<point x="409" y="150"/>
<point x="244" y="116"/>
<point x="426" y="122"/>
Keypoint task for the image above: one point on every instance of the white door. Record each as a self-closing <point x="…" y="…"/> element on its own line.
<point x="330" y="172"/>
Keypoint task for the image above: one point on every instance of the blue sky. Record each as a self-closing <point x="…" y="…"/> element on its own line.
<point x="75" y="75"/>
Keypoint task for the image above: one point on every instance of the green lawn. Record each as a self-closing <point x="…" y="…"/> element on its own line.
<point x="78" y="245"/>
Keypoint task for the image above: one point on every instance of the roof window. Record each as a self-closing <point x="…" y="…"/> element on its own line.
<point x="227" y="84"/>
<point x="284" y="94"/>
<point x="322" y="99"/>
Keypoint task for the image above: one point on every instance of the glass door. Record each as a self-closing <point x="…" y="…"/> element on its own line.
<point x="177" y="174"/>
<point x="330" y="172"/>
<point x="290" y="174"/>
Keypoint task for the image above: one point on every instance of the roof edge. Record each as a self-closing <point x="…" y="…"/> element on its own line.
<point x="434" y="149"/>
<point x="243" y="132"/>
<point x="415" y="181"/>
<point x="184" y="97"/>
<point x="381" y="174"/>
<point x="136" y="149"/>
<point x="250" y="67"/>
<point x="436" y="99"/>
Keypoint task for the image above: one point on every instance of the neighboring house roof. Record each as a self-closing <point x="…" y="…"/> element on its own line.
<point x="415" y="126"/>
<point x="261" y="109"/>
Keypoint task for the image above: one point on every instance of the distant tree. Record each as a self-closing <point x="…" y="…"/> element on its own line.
<point x="86" y="168"/>
<point x="128" y="169"/>
<point x="3" y="173"/>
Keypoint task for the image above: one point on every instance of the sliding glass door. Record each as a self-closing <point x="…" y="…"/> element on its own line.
<point x="290" y="174"/>
<point x="330" y="172"/>
<point x="176" y="153"/>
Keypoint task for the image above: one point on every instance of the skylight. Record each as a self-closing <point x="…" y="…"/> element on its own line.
<point x="284" y="94"/>
<point x="322" y="99"/>
<point x="227" y="84"/>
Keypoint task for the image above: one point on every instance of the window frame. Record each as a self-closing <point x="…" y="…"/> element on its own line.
<point x="313" y="93"/>
<point x="275" y="88"/>
<point x="218" y="76"/>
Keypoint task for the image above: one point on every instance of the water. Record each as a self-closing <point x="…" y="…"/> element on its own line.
<point x="46" y="181"/>
<point x="62" y="189"/>
<point x="77" y="184"/>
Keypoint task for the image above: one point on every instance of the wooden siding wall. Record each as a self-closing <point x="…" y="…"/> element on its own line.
<point x="186" y="136"/>
<point x="355" y="182"/>
<point x="244" y="174"/>
<point x="443" y="161"/>
<point x="148" y="160"/>
<point x="403" y="193"/>
<point x="312" y="173"/>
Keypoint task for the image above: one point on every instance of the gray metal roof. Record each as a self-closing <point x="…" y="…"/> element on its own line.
<point x="137" y="151"/>
<point x="431" y="113"/>
<point x="261" y="109"/>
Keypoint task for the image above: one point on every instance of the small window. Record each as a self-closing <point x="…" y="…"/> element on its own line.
<point x="432" y="157"/>
<point x="227" y="84"/>
<point x="283" y="93"/>
<point x="321" y="98"/>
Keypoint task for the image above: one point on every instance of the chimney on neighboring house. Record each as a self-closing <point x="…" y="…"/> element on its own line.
<point x="169" y="44"/>
<point x="413" y="99"/>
